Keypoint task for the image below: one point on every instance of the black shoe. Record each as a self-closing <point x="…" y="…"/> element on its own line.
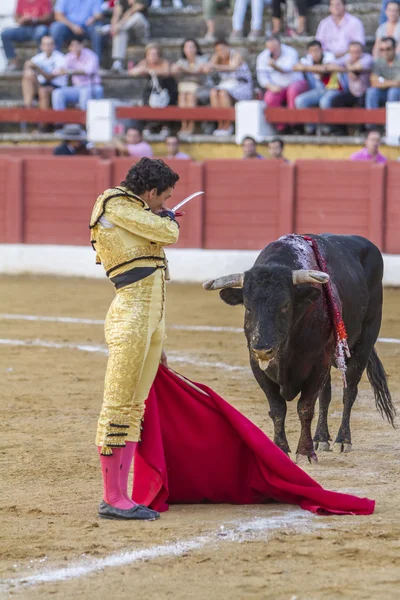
<point x="138" y="512"/>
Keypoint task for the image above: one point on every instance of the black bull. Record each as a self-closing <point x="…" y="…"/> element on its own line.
<point x="290" y="335"/>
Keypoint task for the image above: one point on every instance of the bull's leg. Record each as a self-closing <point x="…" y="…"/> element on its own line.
<point x="322" y="435"/>
<point x="277" y="405"/>
<point x="355" y="367"/>
<point x="305" y="410"/>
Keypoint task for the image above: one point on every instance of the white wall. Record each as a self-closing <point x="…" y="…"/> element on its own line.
<point x="185" y="265"/>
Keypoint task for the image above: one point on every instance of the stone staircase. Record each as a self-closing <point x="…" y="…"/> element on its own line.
<point x="169" y="26"/>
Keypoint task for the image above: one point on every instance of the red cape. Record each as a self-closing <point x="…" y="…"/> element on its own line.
<point x="197" y="448"/>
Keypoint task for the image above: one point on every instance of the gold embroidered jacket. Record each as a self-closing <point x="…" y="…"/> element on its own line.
<point x="130" y="234"/>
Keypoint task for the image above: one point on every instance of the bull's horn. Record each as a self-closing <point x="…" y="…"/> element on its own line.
<point x="309" y="276"/>
<point x="235" y="280"/>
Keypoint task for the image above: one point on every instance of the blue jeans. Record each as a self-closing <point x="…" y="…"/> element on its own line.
<point x="316" y="97"/>
<point x="60" y="97"/>
<point x="25" y="33"/>
<point x="63" y="34"/>
<point x="377" y="97"/>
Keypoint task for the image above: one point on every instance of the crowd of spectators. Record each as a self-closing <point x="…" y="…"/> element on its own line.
<point x="335" y="72"/>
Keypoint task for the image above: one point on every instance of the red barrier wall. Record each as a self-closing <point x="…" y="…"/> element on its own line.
<point x="48" y="200"/>
<point x="340" y="197"/>
<point x="392" y="220"/>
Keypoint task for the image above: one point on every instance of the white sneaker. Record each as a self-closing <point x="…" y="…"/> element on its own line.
<point x="117" y="67"/>
<point x="177" y="3"/>
<point x="156" y="4"/>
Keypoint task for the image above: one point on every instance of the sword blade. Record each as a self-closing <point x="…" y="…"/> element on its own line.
<point x="186" y="200"/>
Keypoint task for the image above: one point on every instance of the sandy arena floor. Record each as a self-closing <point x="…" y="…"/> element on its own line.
<point x="50" y="481"/>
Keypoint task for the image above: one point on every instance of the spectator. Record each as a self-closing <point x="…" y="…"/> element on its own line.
<point x="275" y="74"/>
<point x="275" y="148"/>
<point x="385" y="76"/>
<point x="134" y="145"/>
<point x="302" y="8"/>
<point x="83" y="65"/>
<point x="155" y="63"/>
<point x="235" y="84"/>
<point x="239" y="13"/>
<point x="33" y="18"/>
<point x="210" y="8"/>
<point x="371" y="148"/>
<point x="324" y="84"/>
<point x="391" y="27"/>
<point x="77" y="18"/>
<point x="193" y="87"/>
<point x="383" y="16"/>
<point x="128" y="15"/>
<point x="38" y="77"/>
<point x="173" y="151"/>
<point x="339" y="29"/>
<point x="357" y="65"/>
<point x="249" y="147"/>
<point x="74" y="141"/>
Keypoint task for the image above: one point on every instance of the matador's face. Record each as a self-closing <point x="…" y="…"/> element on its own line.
<point x="157" y="202"/>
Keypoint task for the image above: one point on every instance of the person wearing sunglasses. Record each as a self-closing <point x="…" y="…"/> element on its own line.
<point x="385" y="76"/>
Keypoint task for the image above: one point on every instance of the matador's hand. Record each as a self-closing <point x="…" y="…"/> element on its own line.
<point x="164" y="360"/>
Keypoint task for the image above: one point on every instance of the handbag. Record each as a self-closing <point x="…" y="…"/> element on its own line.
<point x="159" y="97"/>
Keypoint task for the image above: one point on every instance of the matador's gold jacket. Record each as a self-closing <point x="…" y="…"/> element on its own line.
<point x="125" y="233"/>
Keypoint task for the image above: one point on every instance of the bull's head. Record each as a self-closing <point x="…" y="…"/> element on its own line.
<point x="275" y="298"/>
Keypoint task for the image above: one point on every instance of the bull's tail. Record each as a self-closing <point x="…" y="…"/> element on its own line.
<point x="377" y="378"/>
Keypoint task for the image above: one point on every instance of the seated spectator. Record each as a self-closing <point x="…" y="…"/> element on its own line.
<point x="33" y="18"/>
<point x="77" y="18"/>
<point x="193" y="86"/>
<point x="239" y="13"/>
<point x="339" y="29"/>
<point x="236" y="82"/>
<point x="74" y="141"/>
<point x="324" y="83"/>
<point x="128" y="15"/>
<point x="302" y="8"/>
<point x="275" y="148"/>
<point x="133" y="145"/>
<point x="391" y="27"/>
<point x="173" y="151"/>
<point x="83" y="66"/>
<point x="276" y="76"/>
<point x="356" y="64"/>
<point x="371" y="148"/>
<point x="249" y="148"/>
<point x="385" y="76"/>
<point x="383" y="16"/>
<point x="157" y="70"/>
<point x="38" y="78"/>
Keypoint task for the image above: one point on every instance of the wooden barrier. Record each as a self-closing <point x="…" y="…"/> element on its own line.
<point x="345" y="116"/>
<point x="247" y="204"/>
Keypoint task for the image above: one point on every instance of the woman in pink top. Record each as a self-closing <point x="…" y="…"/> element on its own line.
<point x="134" y="145"/>
<point x="371" y="148"/>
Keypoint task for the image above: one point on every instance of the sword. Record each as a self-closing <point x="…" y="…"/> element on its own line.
<point x="177" y="207"/>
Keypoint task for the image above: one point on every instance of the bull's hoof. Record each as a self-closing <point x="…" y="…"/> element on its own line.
<point x="322" y="446"/>
<point x="304" y="459"/>
<point x="342" y="447"/>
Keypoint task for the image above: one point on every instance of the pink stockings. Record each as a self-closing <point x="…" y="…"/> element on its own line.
<point x="115" y="470"/>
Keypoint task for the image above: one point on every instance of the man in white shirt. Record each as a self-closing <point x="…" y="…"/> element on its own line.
<point x="276" y="76"/>
<point x="38" y="78"/>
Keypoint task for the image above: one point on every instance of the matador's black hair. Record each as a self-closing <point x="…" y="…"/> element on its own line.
<point x="148" y="174"/>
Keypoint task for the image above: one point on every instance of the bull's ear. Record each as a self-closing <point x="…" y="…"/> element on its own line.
<point x="307" y="294"/>
<point x="232" y="296"/>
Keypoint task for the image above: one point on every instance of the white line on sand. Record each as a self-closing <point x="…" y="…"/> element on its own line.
<point x="173" y="357"/>
<point x="293" y="519"/>
<point x="211" y="328"/>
